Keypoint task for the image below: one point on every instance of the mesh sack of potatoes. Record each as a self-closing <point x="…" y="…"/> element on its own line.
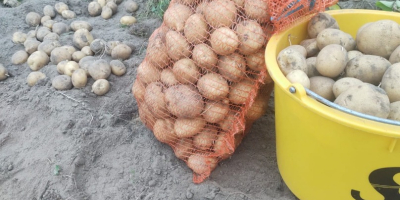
<point x="204" y="81"/>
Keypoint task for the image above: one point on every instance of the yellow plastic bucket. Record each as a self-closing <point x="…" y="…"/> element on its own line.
<point x="324" y="153"/>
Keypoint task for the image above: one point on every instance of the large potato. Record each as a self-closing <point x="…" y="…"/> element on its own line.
<point x="154" y="99"/>
<point x="322" y="86"/>
<point x="289" y="60"/>
<point x="224" y="41"/>
<point x="205" y="57"/>
<point x="82" y="37"/>
<point x="100" y="69"/>
<point x="38" y="60"/>
<point x="334" y="36"/>
<point x="257" y="9"/>
<point x="220" y="13"/>
<point x="394" y="111"/>
<point x="391" y="82"/>
<point x="344" y="84"/>
<point x="367" y="68"/>
<point x="184" y="101"/>
<point x="196" y="29"/>
<point x="331" y="60"/>
<point x="379" y="38"/>
<point x="186" y="71"/>
<point x="213" y="86"/>
<point x="232" y="67"/>
<point x="177" y="46"/>
<point x="365" y="98"/>
<point x="176" y="15"/>
<point x="251" y="37"/>
<point x="320" y="22"/>
<point x="59" y="54"/>
<point x="311" y="47"/>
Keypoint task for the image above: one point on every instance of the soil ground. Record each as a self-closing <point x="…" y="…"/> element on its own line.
<point x="99" y="145"/>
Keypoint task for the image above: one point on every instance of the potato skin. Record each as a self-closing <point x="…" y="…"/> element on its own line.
<point x="148" y="73"/>
<point x="299" y="76"/>
<point x="220" y="13"/>
<point x="205" y="57"/>
<point x="215" y="111"/>
<point x="256" y="61"/>
<point x="62" y="82"/>
<point x="297" y="48"/>
<point x="188" y="127"/>
<point x="42" y="32"/>
<point x="168" y="78"/>
<point x="213" y="86"/>
<point x="391" y="82"/>
<point x="154" y="99"/>
<point x="334" y="36"/>
<point x="94" y="9"/>
<point x="38" y="60"/>
<point x="394" y="111"/>
<point x="33" y="19"/>
<point x="240" y="92"/>
<point x="312" y="67"/>
<point x="257" y="10"/>
<point x="224" y="41"/>
<point x="311" y="47"/>
<point x="322" y="86"/>
<point x="78" y="24"/>
<point x="117" y="67"/>
<point x="176" y="15"/>
<point x="251" y="37"/>
<point x="19" y="57"/>
<point x="34" y="77"/>
<point x="232" y="67"/>
<point x="59" y="54"/>
<point x="320" y="22"/>
<point x="79" y="78"/>
<point x="48" y="10"/>
<point x="201" y="164"/>
<point x="184" y="101"/>
<point x="82" y="37"/>
<point x="186" y="71"/>
<point x="205" y="139"/>
<point x="156" y="49"/>
<point x="331" y="60"/>
<point x="100" y="87"/>
<point x="367" y="68"/>
<point x="121" y="51"/>
<point x="196" y="29"/>
<point x="177" y="46"/>
<point x="289" y="59"/>
<point x="352" y="54"/>
<point x="100" y="69"/>
<point x="344" y="84"/>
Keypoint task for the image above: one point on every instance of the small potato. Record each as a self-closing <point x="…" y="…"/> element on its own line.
<point x="312" y="67"/>
<point x="44" y="19"/>
<point x="215" y="112"/>
<point x="220" y="13"/>
<point x="31" y="45"/>
<point x="148" y="73"/>
<point x="367" y="68"/>
<point x="322" y="86"/>
<point x="224" y="41"/>
<point x="42" y="32"/>
<point x="177" y="46"/>
<point x="213" y="86"/>
<point x="70" y="67"/>
<point x="94" y="9"/>
<point x="62" y="82"/>
<point x="85" y="63"/>
<point x="127" y="20"/>
<point x="77" y="56"/>
<point x="168" y="78"/>
<point x="320" y="22"/>
<point x="19" y="37"/>
<point x="334" y="36"/>
<point x="205" y="139"/>
<point x="49" y="24"/>
<point x="241" y="91"/>
<point x="256" y="61"/>
<point x="186" y="71"/>
<point x="60" y="28"/>
<point x="394" y="111"/>
<point x="297" y="48"/>
<point x="155" y="101"/>
<point x="106" y="12"/>
<point x="391" y="82"/>
<point x="87" y="51"/>
<point x="79" y="78"/>
<point x="111" y="45"/>
<point x="60" y="7"/>
<point x="188" y="127"/>
<point x="100" y="87"/>
<point x="33" y="19"/>
<point x="97" y="46"/>
<point x="113" y="6"/>
<point x="183" y="148"/>
<point x="37" y="60"/>
<point x="311" y="47"/>
<point x="164" y="130"/>
<point x="201" y="164"/>
<point x="289" y="60"/>
<point x="352" y="54"/>
<point x="61" y="66"/>
<point x="48" y="10"/>
<point x="82" y="37"/>
<point x="100" y="69"/>
<point x="117" y="67"/>
<point x="299" y="76"/>
<point x="232" y="67"/>
<point x="48" y="45"/>
<point x="3" y="73"/>
<point x="121" y="51"/>
<point x="251" y="36"/>
<point x="196" y="29"/>
<point x="19" y="57"/>
<point x="131" y="6"/>
<point x="257" y="10"/>
<point x="205" y="57"/>
<point x="51" y="37"/>
<point x="78" y="24"/>
<point x="34" y="77"/>
<point x="331" y="60"/>
<point x="59" y="54"/>
<point x="184" y="101"/>
<point x="344" y="84"/>
<point x="365" y="98"/>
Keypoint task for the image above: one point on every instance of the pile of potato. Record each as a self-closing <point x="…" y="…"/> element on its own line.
<point x="107" y="8"/>
<point x="197" y="87"/>
<point x="74" y="63"/>
<point x="361" y="74"/>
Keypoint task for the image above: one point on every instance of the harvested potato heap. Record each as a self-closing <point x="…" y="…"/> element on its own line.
<point x="361" y="73"/>
<point x="76" y="63"/>
<point x="204" y="81"/>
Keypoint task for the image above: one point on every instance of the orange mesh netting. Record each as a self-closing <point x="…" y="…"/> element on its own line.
<point x="204" y="81"/>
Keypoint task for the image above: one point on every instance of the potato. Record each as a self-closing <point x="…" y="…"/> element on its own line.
<point x="311" y="47"/>
<point x="352" y="54"/>
<point x="87" y="51"/>
<point x="19" y="37"/>
<point x="395" y="56"/>
<point x="201" y="164"/>
<point x="117" y="67"/>
<point x="196" y="29"/>
<point x="312" y="67"/>
<point x="70" y="49"/>
<point x="259" y="106"/>
<point x="188" y="127"/>
<point x="106" y="12"/>
<point x="224" y="41"/>
<point x="78" y="24"/>
<point x="323" y="87"/>
<point x="232" y="67"/>
<point x="379" y="38"/>
<point x="157" y="49"/>
<point x="183" y="148"/>
<point x="131" y="6"/>
<point x="213" y="86"/>
<point x="344" y="84"/>
<point x="147" y="73"/>
<point x="62" y="82"/>
<point x="51" y="37"/>
<point x="127" y="20"/>
<point x="138" y="91"/>
<point x="257" y="10"/>
<point x="82" y="37"/>
<point x="48" y="10"/>
<point x="391" y="82"/>
<point x="334" y="36"/>
<point x="31" y="45"/>
<point x="230" y="119"/>
<point x="34" y="77"/>
<point x="164" y="130"/>
<point x="331" y="60"/>
<point x="70" y="67"/>
<point x="365" y="98"/>
<point x="19" y="57"/>
<point x="320" y="22"/>
<point x="31" y="35"/>
<point x="177" y="46"/>
<point x="205" y="57"/>
<point x="121" y="51"/>
<point x="184" y="101"/>
<point x="94" y="9"/>
<point x="215" y="111"/>
<point x="168" y="78"/>
<point x="42" y="32"/>
<point x="100" y="87"/>
<point x="297" y="48"/>
<point x="289" y="60"/>
<point x="33" y="19"/>
<point x="49" y="24"/>
<point x="102" y="2"/>
<point x="241" y="91"/>
<point x="79" y="78"/>
<point x="220" y="13"/>
<point x="97" y="46"/>
<point x="115" y="1"/>
<point x="85" y="63"/>
<point x="394" y="111"/>
<point x="48" y="46"/>
<point x="202" y="7"/>
<point x="146" y="117"/>
<point x="299" y="76"/>
<point x="186" y="71"/>
<point x="77" y="56"/>
<point x="256" y="61"/>
<point x="100" y="69"/>
<point x="205" y="139"/>
<point x="251" y="37"/>
<point x="68" y="14"/>
<point x="37" y="60"/>
<point x="367" y="68"/>
<point x="176" y="16"/>
<point x="113" y="6"/>
<point x="60" y="28"/>
<point x="154" y="99"/>
<point x="60" y="7"/>
<point x="44" y="19"/>
<point x="61" y="66"/>
<point x="59" y="54"/>
<point x="222" y="146"/>
<point x="3" y="73"/>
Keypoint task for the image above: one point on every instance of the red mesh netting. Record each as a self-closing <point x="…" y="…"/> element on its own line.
<point x="204" y="81"/>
